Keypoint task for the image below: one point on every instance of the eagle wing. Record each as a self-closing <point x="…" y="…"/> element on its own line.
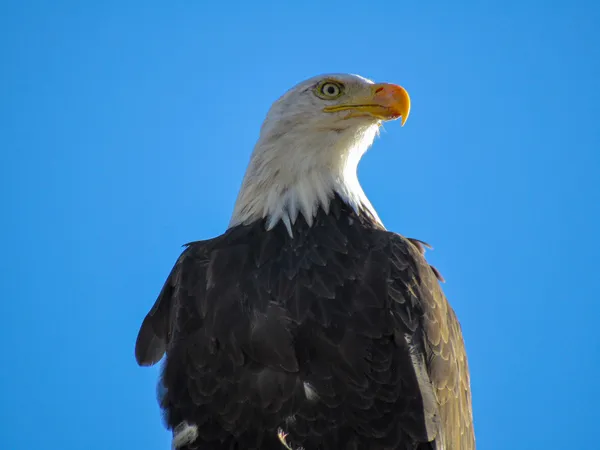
<point x="435" y="338"/>
<point x="159" y="324"/>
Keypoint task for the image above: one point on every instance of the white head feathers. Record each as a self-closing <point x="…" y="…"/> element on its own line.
<point x="305" y="154"/>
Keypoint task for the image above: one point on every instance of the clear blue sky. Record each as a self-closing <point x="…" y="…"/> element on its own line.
<point x="125" y="129"/>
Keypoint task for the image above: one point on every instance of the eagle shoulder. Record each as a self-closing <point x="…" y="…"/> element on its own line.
<point x="156" y="329"/>
<point x="431" y="328"/>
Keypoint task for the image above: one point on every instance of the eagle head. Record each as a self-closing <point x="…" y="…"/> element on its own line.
<point x="310" y="145"/>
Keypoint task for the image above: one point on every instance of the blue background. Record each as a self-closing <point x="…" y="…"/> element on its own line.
<point x="125" y="129"/>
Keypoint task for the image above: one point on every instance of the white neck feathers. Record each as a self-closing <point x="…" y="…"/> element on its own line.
<point x="300" y="172"/>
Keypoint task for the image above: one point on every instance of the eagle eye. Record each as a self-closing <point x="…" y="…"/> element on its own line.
<point x="329" y="90"/>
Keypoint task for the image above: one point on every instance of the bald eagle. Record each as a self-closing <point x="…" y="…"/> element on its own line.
<point x="307" y="323"/>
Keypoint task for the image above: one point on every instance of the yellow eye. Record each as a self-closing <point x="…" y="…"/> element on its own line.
<point x="329" y="90"/>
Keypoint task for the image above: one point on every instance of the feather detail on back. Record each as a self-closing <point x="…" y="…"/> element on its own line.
<point x="340" y="336"/>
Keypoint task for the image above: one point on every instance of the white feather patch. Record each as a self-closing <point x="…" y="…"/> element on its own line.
<point x="184" y="434"/>
<point x="310" y="392"/>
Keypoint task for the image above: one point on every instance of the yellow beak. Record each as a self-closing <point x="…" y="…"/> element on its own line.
<point x="384" y="102"/>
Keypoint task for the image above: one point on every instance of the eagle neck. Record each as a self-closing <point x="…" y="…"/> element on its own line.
<point x="292" y="175"/>
<point x="306" y="197"/>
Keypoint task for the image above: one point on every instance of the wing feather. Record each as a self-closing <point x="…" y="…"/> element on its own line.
<point x="436" y="343"/>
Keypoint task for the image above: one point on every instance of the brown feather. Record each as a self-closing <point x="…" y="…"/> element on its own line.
<point x="340" y="336"/>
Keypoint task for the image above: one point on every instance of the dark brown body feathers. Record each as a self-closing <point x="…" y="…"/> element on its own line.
<point x="340" y="336"/>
